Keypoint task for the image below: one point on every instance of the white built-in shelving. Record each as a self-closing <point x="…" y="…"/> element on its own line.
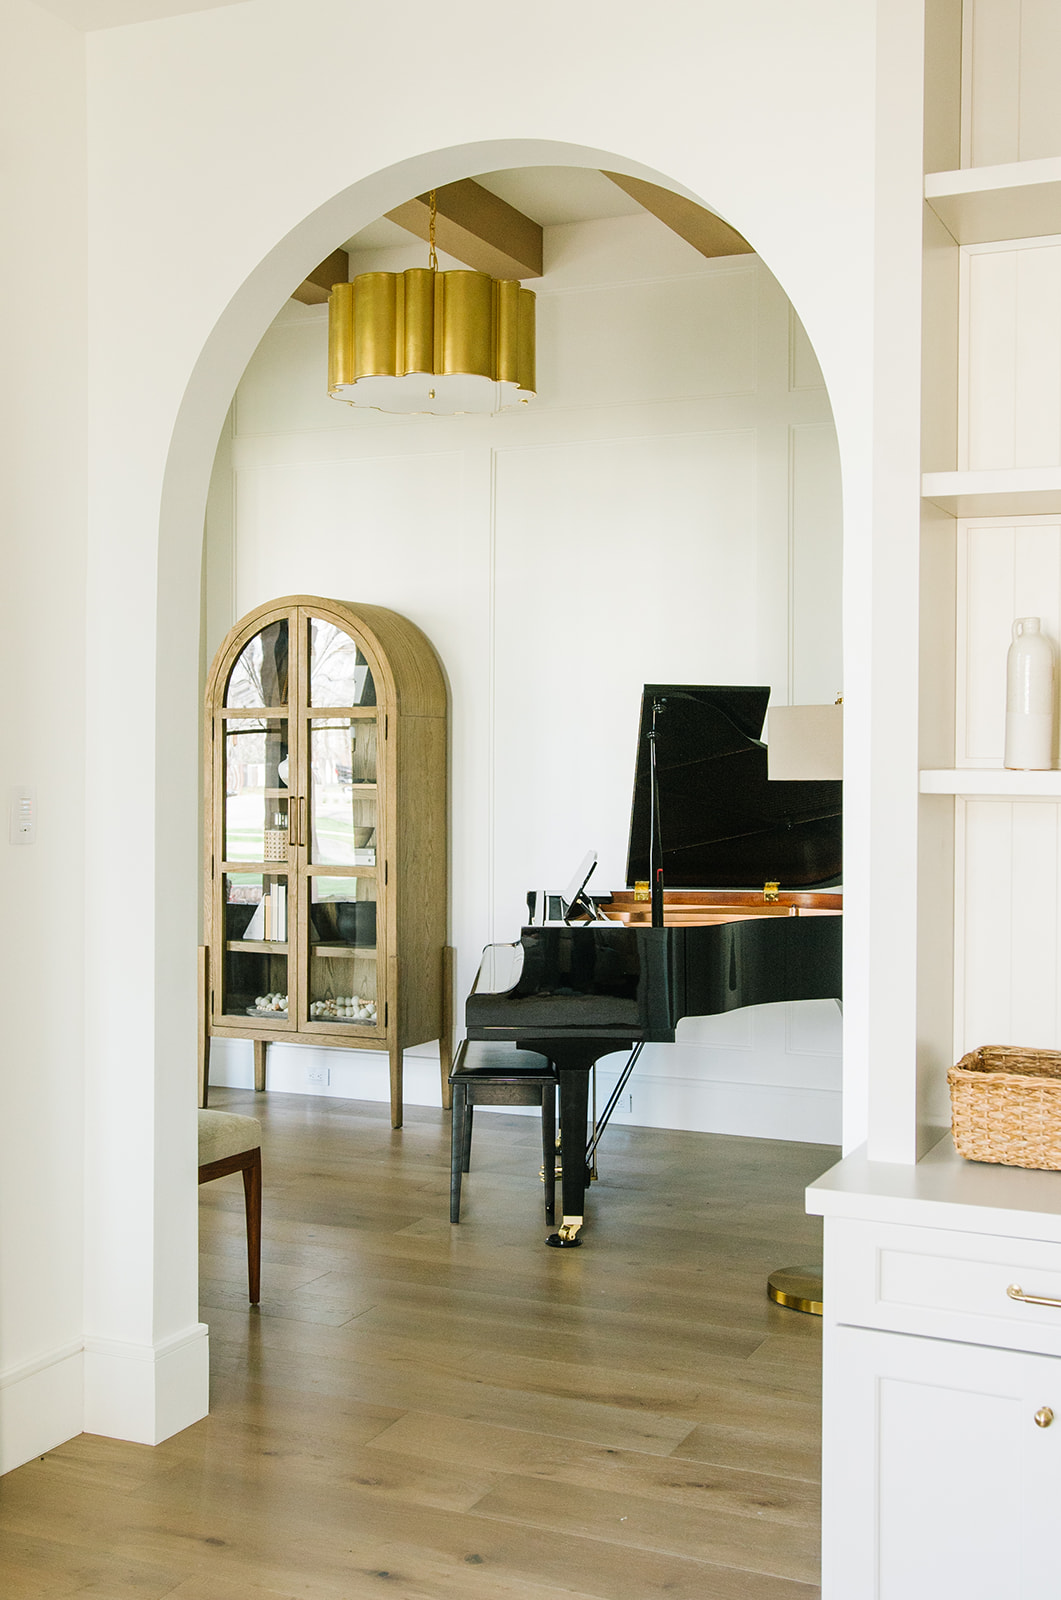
<point x="988" y="781"/>
<point x="1018" y="200"/>
<point x="1009" y="491"/>
<point x="935" y="1374"/>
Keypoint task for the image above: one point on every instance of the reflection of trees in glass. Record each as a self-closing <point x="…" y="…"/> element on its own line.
<point x="339" y="673"/>
<point x="259" y="677"/>
<point x="254" y="753"/>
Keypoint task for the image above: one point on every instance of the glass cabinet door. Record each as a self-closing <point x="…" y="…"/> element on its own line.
<point x="342" y="791"/>
<point x="343" y="951"/>
<point x="341" y="832"/>
<point x="255" y="971"/>
<point x="256" y="825"/>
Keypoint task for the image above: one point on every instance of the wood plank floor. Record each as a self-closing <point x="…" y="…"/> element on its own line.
<point x="434" y="1413"/>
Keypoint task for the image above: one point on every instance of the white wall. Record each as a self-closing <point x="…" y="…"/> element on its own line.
<point x="42" y="518"/>
<point x="667" y="511"/>
<point x="225" y="160"/>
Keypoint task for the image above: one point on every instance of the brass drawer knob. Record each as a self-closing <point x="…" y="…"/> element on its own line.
<point x="1043" y="1417"/>
<point x="1015" y="1292"/>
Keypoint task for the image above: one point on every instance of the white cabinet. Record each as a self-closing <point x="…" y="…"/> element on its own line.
<point x="952" y="1488"/>
<point x="937" y="1479"/>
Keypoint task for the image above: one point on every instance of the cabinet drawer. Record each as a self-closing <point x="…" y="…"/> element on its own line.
<point x="942" y="1284"/>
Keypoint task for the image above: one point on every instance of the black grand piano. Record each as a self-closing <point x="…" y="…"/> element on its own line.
<point x="741" y="867"/>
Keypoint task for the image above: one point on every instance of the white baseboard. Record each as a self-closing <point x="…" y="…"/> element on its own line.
<point x="145" y="1393"/>
<point x="750" y="1110"/>
<point x="351" y="1074"/>
<point x="803" y="1113"/>
<point x="41" y="1405"/>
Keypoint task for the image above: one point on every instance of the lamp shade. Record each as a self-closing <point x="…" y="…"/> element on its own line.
<point x="805" y="742"/>
<point x="430" y="341"/>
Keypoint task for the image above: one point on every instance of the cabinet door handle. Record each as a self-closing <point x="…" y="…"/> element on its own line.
<point x="1015" y="1292"/>
<point x="302" y="820"/>
<point x="1043" y="1417"/>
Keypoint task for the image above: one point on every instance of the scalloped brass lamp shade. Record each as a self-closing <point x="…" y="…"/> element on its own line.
<point x="424" y="340"/>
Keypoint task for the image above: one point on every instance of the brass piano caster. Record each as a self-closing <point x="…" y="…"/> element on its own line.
<point x="566" y="1238"/>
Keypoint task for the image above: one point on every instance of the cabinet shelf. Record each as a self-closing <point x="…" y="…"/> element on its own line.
<point x="344" y="952"/>
<point x="988" y="781"/>
<point x="262" y="947"/>
<point x="978" y="205"/>
<point x="1010" y="491"/>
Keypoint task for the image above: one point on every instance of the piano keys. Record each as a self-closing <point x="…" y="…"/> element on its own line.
<point x="583" y="992"/>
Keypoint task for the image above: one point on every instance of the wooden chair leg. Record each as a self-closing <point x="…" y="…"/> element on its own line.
<point x="458" y="1113"/>
<point x="252" y="1197"/>
<point x="549" y="1149"/>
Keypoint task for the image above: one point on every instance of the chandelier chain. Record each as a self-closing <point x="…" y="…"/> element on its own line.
<point x="432" y="259"/>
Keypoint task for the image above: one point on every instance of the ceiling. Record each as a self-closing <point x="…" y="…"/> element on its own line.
<point x="88" y="15"/>
<point x="548" y="195"/>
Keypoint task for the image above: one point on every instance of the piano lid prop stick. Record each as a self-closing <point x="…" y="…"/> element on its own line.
<point x="606" y="1117"/>
<point x="655" y="842"/>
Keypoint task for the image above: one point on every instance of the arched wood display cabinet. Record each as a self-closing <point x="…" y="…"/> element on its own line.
<point x="325" y="836"/>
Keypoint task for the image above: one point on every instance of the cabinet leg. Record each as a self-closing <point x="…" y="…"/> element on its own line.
<point x="260" y="1047"/>
<point x="396" y="1054"/>
<point x="445" y="1041"/>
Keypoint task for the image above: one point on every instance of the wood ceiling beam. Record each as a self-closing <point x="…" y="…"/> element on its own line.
<point x="478" y="228"/>
<point x="698" y="227"/>
<point x="318" y="286"/>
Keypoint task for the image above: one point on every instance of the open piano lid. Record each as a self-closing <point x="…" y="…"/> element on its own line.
<point x="723" y="824"/>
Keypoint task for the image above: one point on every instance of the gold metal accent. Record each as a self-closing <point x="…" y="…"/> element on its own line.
<point x="427" y="324"/>
<point x="642" y="889"/>
<point x="771" y="891"/>
<point x="569" y="1227"/>
<point x="1015" y="1292"/>
<point x="799" y="1288"/>
<point x="432" y="253"/>
<point x="1043" y="1417"/>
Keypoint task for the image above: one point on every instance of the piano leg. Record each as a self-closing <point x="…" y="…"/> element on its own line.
<point x="573" y="1060"/>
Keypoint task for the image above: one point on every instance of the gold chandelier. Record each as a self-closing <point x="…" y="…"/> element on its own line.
<point x="425" y="340"/>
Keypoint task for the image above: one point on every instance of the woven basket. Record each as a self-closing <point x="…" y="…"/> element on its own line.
<point x="1006" y="1106"/>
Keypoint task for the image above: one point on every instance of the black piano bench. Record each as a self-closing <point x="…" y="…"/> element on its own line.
<point x="486" y="1074"/>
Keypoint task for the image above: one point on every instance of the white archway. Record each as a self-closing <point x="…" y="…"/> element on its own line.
<point x="165" y="1256"/>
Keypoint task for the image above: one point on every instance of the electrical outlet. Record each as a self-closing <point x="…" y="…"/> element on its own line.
<point x="320" y="1077"/>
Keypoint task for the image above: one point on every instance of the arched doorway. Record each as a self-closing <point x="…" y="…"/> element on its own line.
<point x="147" y="1294"/>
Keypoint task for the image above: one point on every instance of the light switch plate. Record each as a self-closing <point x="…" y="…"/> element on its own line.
<point x="23" y="828"/>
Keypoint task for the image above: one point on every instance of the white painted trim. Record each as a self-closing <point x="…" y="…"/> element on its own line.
<point x="146" y="1393"/>
<point x="42" y="1405"/>
<point x="30" y="1369"/>
<point x="802" y="1113"/>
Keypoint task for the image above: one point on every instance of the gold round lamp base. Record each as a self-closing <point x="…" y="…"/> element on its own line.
<point x="799" y="1288"/>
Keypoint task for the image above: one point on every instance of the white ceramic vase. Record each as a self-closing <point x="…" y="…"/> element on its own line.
<point x="1029" y="698"/>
